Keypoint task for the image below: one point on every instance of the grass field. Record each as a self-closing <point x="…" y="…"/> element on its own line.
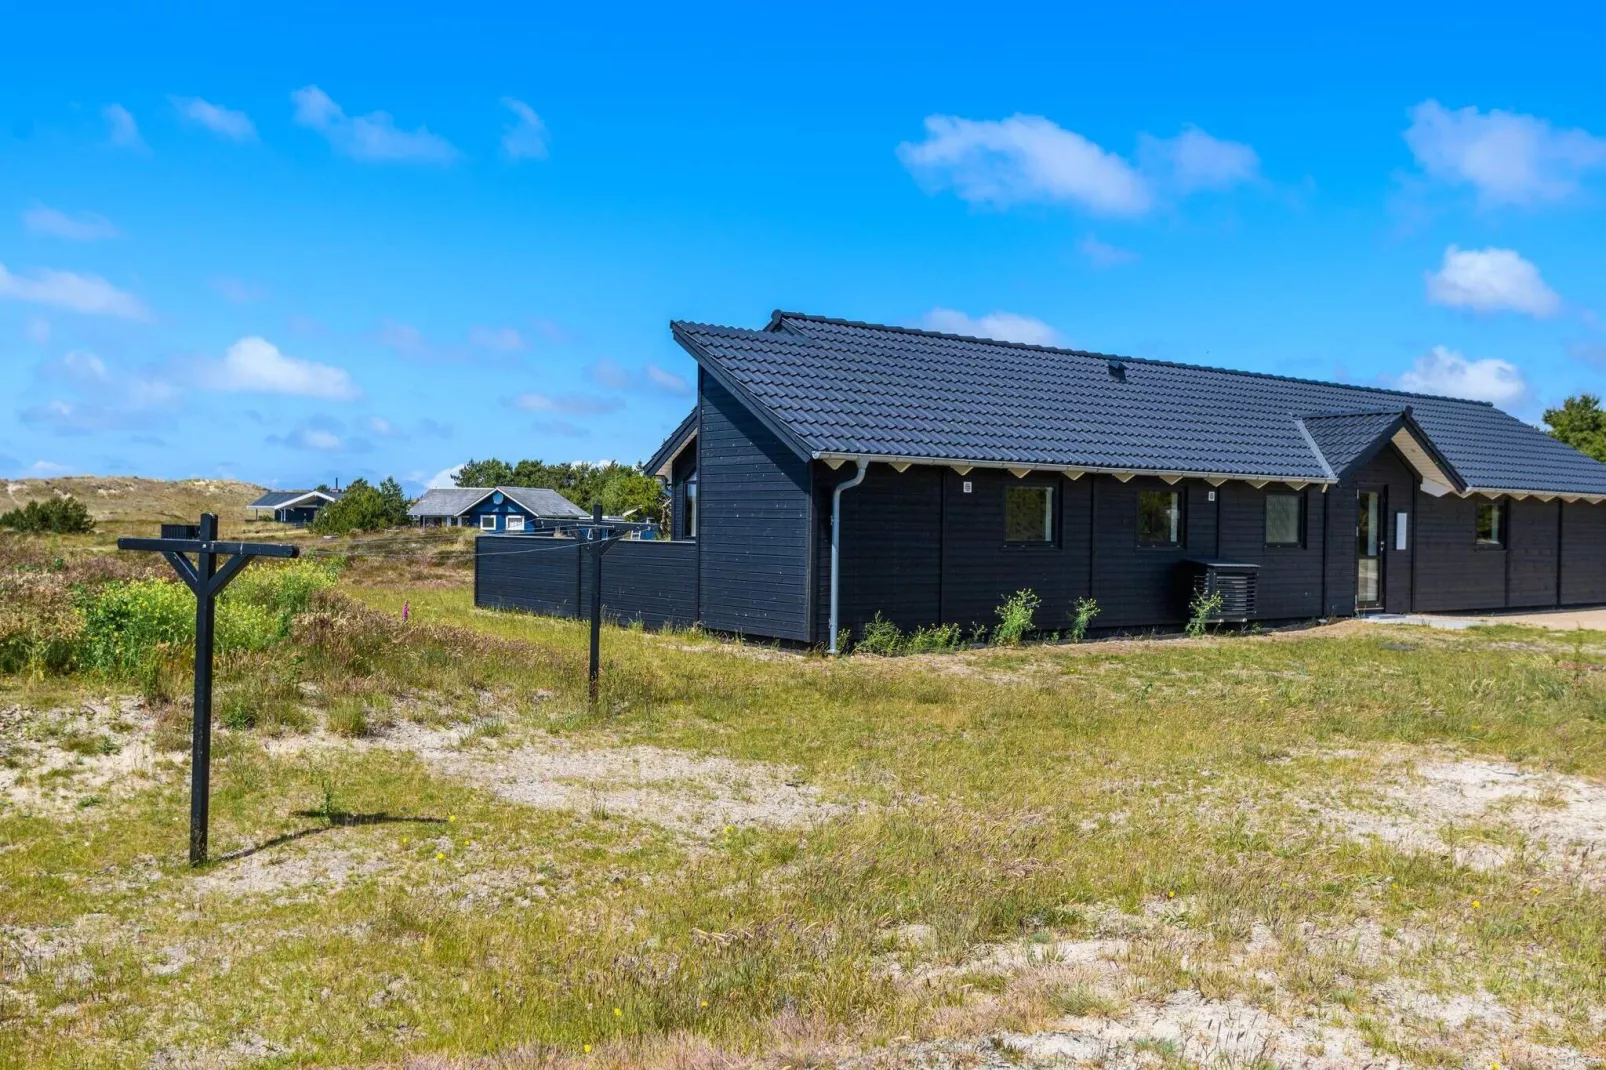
<point x="1346" y="846"/>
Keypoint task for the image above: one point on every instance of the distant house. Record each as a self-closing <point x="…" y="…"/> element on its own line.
<point x="298" y="507"/>
<point x="499" y="509"/>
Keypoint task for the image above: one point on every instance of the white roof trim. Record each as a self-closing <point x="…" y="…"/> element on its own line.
<point x="667" y="468"/>
<point x="1419" y="459"/>
<point x="1074" y="471"/>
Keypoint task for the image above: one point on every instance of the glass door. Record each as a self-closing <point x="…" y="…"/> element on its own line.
<point x="1369" y="550"/>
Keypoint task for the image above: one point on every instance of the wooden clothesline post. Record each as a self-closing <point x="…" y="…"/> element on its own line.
<point x="206" y="580"/>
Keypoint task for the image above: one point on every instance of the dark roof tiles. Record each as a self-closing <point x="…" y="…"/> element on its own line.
<point x="841" y="387"/>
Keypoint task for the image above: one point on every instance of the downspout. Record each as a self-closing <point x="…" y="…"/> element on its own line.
<point x="836" y="540"/>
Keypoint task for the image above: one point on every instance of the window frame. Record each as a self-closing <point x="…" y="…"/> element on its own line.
<point x="1051" y="527"/>
<point x="1181" y="541"/>
<point x="487" y="516"/>
<point x="1298" y="542"/>
<point x="688" y="507"/>
<point x="1502" y="516"/>
<point x="515" y="522"/>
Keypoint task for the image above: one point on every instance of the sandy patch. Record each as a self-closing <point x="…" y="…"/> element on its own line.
<point x="308" y="869"/>
<point x="56" y="761"/>
<point x="1101" y="1011"/>
<point x="1555" y="820"/>
<point x="700" y="796"/>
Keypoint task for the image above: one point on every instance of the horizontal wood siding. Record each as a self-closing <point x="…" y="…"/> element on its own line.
<point x="979" y="571"/>
<point x="1289" y="581"/>
<point x="1583" y="553"/>
<point x="891" y="547"/>
<point x="652" y="581"/>
<point x="520" y="572"/>
<point x="752" y="524"/>
<point x="1454" y="574"/>
<point x="1137" y="586"/>
<point x="1535" y="527"/>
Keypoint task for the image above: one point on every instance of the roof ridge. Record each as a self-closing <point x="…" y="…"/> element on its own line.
<point x="778" y="315"/>
<point x="1338" y="414"/>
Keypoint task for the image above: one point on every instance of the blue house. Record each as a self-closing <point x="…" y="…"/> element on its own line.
<point x="495" y="509"/>
<point x="298" y="507"/>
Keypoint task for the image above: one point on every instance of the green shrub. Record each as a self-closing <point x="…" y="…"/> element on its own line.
<point x="1086" y="609"/>
<point x="363" y="507"/>
<point x="1015" y="617"/>
<point x="126" y="625"/>
<point x="58" y="516"/>
<point x="880" y="636"/>
<point x="937" y="639"/>
<point x="885" y="638"/>
<point x="1205" y="605"/>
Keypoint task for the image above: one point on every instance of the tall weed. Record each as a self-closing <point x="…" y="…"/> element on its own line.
<point x="1015" y="617"/>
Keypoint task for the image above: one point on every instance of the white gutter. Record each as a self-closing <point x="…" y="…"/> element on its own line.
<point x="836" y="540"/>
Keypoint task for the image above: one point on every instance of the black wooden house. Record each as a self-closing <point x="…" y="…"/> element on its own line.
<point x="965" y="469"/>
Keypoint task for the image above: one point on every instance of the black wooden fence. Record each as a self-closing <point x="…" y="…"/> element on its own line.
<point x="649" y="580"/>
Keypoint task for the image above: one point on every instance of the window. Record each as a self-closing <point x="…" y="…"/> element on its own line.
<point x="487" y="521"/>
<point x="1285" y="519"/>
<point x="515" y="523"/>
<point x="691" y="506"/>
<point x="1491" y="525"/>
<point x="1028" y="515"/>
<point x="1159" y="518"/>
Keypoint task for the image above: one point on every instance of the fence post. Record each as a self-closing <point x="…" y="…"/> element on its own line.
<point x="596" y="598"/>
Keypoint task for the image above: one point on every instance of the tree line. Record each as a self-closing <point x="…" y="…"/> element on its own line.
<point x="622" y="489"/>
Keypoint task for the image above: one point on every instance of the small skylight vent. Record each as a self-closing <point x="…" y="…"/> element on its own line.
<point x="1118" y="369"/>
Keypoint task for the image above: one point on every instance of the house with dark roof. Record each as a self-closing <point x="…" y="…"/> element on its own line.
<point x="298" y="507"/>
<point x="495" y="509"/>
<point x="832" y="470"/>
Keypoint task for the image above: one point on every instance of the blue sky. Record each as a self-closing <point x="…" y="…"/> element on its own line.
<point x="383" y="240"/>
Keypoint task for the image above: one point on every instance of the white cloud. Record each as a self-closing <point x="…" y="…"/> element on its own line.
<point x="372" y="138"/>
<point x="88" y="294"/>
<point x="1002" y="326"/>
<point x="666" y="380"/>
<point x="1444" y="371"/>
<point x="46" y="469"/>
<point x="238" y="291"/>
<point x="224" y="122"/>
<point x="498" y="339"/>
<point x="611" y="374"/>
<point x="1023" y="159"/>
<point x="526" y="137"/>
<point x="121" y="129"/>
<point x="403" y="338"/>
<point x="1193" y="160"/>
<point x="1103" y="254"/>
<point x="446" y="477"/>
<point x="320" y="434"/>
<point x="54" y="223"/>
<point x="255" y="365"/>
<point x="84" y="366"/>
<point x="568" y="404"/>
<point x="1510" y="159"/>
<point x="1029" y="159"/>
<point x="1491" y="280"/>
